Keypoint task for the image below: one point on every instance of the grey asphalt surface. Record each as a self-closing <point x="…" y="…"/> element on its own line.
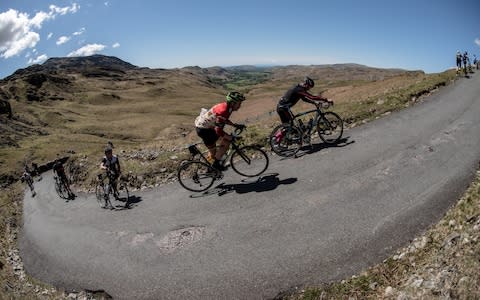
<point x="323" y="216"/>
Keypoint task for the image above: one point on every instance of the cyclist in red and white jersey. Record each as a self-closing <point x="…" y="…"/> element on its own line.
<point x="210" y="123"/>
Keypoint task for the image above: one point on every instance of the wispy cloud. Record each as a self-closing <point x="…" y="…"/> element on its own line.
<point x="38" y="60"/>
<point x="17" y="29"/>
<point x="116" y="45"/>
<point x="81" y="31"/>
<point x="49" y="36"/>
<point x="106" y="3"/>
<point x="64" y="10"/>
<point x="87" y="50"/>
<point x="477" y="41"/>
<point x="62" y="40"/>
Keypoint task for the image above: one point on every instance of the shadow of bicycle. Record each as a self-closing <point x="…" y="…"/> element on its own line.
<point x="343" y="142"/>
<point x="132" y="202"/>
<point x="264" y="183"/>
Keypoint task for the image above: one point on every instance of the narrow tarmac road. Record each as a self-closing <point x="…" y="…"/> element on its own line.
<point x="320" y="217"/>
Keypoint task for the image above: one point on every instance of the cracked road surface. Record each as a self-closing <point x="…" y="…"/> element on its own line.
<point x="323" y="216"/>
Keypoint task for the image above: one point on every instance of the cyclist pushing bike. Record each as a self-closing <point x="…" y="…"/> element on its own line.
<point x="111" y="164"/>
<point x="210" y="123"/>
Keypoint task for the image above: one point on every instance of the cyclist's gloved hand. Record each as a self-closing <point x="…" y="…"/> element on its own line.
<point x="239" y="126"/>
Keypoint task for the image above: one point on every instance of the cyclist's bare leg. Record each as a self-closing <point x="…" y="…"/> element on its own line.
<point x="222" y="148"/>
<point x="212" y="150"/>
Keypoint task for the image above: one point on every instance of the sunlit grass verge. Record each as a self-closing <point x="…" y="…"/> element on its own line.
<point x="443" y="263"/>
<point x="366" y="110"/>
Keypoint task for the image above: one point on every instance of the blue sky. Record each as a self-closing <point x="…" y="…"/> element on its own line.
<point x="408" y="34"/>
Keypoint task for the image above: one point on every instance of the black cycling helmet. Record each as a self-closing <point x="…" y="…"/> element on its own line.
<point x="108" y="149"/>
<point x="309" y="81"/>
<point x="235" y="97"/>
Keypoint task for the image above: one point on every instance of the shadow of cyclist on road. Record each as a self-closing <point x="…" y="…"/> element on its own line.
<point x="343" y="142"/>
<point x="132" y="202"/>
<point x="264" y="183"/>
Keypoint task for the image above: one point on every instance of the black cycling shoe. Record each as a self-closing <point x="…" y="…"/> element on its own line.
<point x="216" y="165"/>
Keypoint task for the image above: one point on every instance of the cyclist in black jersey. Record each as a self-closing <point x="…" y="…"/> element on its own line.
<point x="293" y="95"/>
<point x="59" y="171"/>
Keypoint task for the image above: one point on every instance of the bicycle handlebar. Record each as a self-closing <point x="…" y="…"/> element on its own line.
<point x="238" y="131"/>
<point x="323" y="104"/>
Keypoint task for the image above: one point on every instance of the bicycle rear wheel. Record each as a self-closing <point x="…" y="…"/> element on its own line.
<point x="61" y="190"/>
<point x="330" y="127"/>
<point x="196" y="176"/>
<point x="100" y="194"/>
<point x="249" y="161"/>
<point x="286" y="140"/>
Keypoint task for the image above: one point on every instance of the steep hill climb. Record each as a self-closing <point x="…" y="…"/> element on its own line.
<point x="320" y="217"/>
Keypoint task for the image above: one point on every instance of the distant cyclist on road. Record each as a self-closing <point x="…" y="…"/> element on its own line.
<point x="59" y="171"/>
<point x="210" y="123"/>
<point x="111" y="164"/>
<point x="27" y="177"/>
<point x="293" y="95"/>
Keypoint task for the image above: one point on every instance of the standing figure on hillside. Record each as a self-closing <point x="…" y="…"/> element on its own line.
<point x="293" y="95"/>
<point x="111" y="165"/>
<point x="210" y="123"/>
<point x="458" y="58"/>
<point x="465" y="61"/>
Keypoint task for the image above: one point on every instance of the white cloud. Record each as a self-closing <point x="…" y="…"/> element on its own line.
<point x="17" y="28"/>
<point x="106" y="3"/>
<point x="82" y="30"/>
<point x="64" y="10"/>
<point x="87" y="50"/>
<point x="477" y="41"/>
<point x="49" y="36"/>
<point x="63" y="40"/>
<point x="116" y="45"/>
<point x="38" y="60"/>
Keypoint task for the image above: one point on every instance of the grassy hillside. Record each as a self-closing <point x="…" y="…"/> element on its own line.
<point x="73" y="107"/>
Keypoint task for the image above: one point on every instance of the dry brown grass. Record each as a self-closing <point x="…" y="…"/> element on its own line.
<point x="155" y="110"/>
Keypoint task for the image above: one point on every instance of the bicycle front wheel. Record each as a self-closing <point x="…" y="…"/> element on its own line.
<point x="286" y="140"/>
<point x="196" y="176"/>
<point x="330" y="128"/>
<point x="249" y="161"/>
<point x="123" y="194"/>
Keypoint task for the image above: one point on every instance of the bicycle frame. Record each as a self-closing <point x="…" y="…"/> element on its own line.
<point x="318" y="115"/>
<point x="231" y="149"/>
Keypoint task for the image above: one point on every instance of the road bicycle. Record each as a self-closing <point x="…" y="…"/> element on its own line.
<point x="105" y="186"/>
<point x="197" y="174"/>
<point x="61" y="188"/>
<point x="286" y="139"/>
<point x="27" y="177"/>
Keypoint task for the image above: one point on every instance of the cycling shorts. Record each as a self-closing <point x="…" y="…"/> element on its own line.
<point x="208" y="135"/>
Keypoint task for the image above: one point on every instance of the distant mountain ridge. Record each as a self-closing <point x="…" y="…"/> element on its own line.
<point x="58" y="78"/>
